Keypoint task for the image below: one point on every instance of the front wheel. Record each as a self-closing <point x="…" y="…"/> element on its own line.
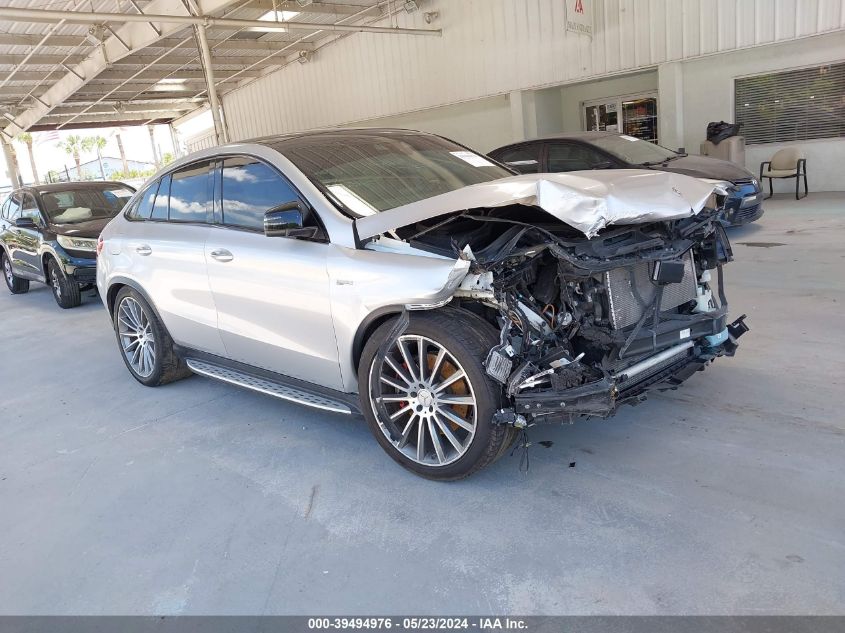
<point x="145" y="345"/>
<point x="16" y="285"/>
<point x="65" y="289"/>
<point x="428" y="400"/>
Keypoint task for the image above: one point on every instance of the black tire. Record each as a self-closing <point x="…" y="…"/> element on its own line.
<point x="16" y="285"/>
<point x="167" y="365"/>
<point x="65" y="290"/>
<point x="468" y="339"/>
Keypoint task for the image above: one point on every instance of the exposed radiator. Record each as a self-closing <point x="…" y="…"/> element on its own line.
<point x="631" y="291"/>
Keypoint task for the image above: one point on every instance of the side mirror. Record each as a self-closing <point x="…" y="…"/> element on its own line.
<point x="25" y="223"/>
<point x="286" y="220"/>
<point x="605" y="164"/>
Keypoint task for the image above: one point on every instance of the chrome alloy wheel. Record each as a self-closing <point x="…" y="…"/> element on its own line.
<point x="136" y="336"/>
<point x="55" y="282"/>
<point x="428" y="398"/>
<point x="7" y="270"/>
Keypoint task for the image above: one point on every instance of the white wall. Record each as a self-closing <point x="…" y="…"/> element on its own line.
<point x="483" y="124"/>
<point x="494" y="47"/>
<point x="708" y="93"/>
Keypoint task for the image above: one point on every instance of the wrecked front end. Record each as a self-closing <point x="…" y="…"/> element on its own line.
<point x="603" y="285"/>
<point x="587" y="325"/>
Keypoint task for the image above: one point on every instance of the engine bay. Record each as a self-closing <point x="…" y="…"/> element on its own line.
<point x="588" y="324"/>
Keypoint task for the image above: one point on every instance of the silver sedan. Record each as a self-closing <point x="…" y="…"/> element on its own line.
<point x="404" y="277"/>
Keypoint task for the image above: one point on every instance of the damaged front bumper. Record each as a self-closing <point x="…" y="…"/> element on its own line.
<point x="628" y="383"/>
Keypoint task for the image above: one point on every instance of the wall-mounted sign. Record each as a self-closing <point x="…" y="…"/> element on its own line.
<point x="579" y="16"/>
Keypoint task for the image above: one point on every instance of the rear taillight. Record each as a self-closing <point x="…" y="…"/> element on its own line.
<point x="99" y="245"/>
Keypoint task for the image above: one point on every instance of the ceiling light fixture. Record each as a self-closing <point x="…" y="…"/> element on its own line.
<point x="278" y="16"/>
<point x="411" y="6"/>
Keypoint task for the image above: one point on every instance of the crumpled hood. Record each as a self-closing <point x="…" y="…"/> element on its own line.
<point x="586" y="200"/>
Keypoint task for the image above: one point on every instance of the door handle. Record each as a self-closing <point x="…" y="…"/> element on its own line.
<point x="144" y="250"/>
<point x="222" y="255"/>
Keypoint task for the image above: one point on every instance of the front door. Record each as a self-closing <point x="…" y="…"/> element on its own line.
<point x="271" y="293"/>
<point x="29" y="240"/>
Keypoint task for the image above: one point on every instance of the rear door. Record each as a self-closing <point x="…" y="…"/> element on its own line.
<point x="271" y="293"/>
<point x="167" y="252"/>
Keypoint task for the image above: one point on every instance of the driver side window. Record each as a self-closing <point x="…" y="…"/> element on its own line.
<point x="30" y="209"/>
<point x="14" y="210"/>
<point x="250" y="188"/>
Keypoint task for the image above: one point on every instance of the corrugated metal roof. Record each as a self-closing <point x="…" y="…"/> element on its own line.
<point x="143" y="70"/>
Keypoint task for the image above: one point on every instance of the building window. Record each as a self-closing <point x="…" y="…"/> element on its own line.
<point x="795" y="105"/>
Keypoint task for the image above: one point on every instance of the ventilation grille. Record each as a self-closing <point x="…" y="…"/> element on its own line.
<point x="632" y="292"/>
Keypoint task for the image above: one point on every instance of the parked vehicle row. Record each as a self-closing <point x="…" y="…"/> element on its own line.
<point x="404" y="277"/>
<point x="48" y="233"/>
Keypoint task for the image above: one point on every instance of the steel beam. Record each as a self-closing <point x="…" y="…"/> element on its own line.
<point x="72" y="41"/>
<point x="318" y="7"/>
<point x="26" y="15"/>
<point x="139" y="35"/>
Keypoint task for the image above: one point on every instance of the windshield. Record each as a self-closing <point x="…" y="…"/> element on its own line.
<point x="75" y="205"/>
<point x="633" y="150"/>
<point x="370" y="172"/>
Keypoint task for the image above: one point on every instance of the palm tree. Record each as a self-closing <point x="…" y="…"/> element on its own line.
<point x="26" y="139"/>
<point x="98" y="143"/>
<point x="156" y="160"/>
<point x="73" y="144"/>
<point x="122" y="153"/>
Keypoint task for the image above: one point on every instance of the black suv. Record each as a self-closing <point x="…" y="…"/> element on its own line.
<point x="48" y="233"/>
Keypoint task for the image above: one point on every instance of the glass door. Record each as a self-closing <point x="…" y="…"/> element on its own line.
<point x="634" y="115"/>
<point x="602" y="116"/>
<point x="639" y="118"/>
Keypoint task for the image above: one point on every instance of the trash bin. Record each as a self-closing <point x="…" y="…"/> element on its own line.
<point x="732" y="149"/>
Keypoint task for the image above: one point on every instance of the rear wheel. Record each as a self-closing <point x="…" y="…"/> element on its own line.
<point x="428" y="401"/>
<point x="146" y="347"/>
<point x="65" y="290"/>
<point x="16" y="285"/>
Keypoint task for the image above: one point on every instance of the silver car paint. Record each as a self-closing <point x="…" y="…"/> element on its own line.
<point x="295" y="307"/>
<point x="272" y="305"/>
<point x="174" y="273"/>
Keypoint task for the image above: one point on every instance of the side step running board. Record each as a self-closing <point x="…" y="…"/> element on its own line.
<point x="267" y="386"/>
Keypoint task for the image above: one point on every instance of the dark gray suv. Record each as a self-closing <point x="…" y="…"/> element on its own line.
<point x="48" y="233"/>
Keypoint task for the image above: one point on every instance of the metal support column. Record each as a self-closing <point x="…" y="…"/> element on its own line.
<point x="174" y="139"/>
<point x="208" y="70"/>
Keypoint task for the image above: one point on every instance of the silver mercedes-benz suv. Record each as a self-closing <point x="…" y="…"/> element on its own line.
<point x="404" y="277"/>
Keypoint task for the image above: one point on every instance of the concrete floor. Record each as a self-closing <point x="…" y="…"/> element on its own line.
<point x="199" y="498"/>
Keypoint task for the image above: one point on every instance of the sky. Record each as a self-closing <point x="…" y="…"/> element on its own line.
<point x="136" y="145"/>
